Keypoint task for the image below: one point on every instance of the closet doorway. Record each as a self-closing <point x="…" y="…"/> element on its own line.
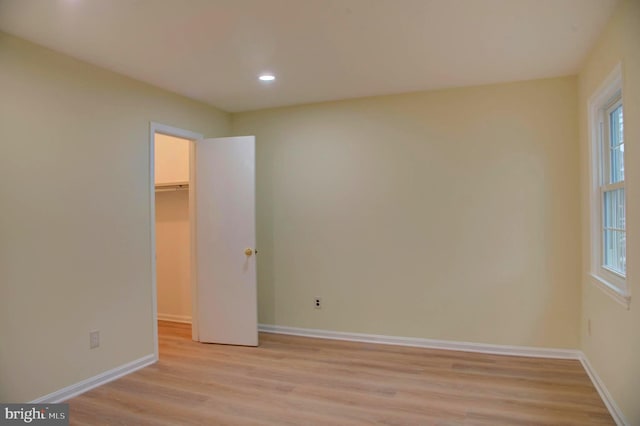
<point x="203" y="235"/>
<point x="173" y="246"/>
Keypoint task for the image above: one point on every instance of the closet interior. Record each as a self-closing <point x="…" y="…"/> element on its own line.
<point x="173" y="257"/>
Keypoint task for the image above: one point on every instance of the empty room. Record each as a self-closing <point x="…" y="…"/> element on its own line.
<point x="320" y="212"/>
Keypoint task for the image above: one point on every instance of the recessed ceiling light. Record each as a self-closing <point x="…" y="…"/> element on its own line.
<point x="267" y="77"/>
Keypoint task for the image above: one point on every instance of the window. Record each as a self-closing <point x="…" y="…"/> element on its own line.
<point x="614" y="234"/>
<point x="608" y="218"/>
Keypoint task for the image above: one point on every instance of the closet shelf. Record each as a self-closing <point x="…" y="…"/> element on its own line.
<point x="177" y="186"/>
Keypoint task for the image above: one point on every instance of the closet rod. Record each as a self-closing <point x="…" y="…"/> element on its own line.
<point x="172" y="187"/>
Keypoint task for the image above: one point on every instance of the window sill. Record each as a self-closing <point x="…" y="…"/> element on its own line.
<point x="611" y="290"/>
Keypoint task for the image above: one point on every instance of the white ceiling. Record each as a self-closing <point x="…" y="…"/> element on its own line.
<point x="213" y="50"/>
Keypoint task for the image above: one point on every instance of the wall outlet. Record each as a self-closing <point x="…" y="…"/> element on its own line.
<point x="589" y="327"/>
<point x="94" y="339"/>
<point x="317" y="303"/>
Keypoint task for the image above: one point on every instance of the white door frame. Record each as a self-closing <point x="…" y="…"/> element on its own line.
<point x="192" y="136"/>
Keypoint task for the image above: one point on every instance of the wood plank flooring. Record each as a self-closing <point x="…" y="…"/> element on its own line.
<point x="302" y="381"/>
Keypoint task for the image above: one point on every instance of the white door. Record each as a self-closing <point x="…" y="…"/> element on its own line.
<point x="225" y="240"/>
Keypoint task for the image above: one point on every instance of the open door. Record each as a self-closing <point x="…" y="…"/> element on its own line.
<point x="225" y="240"/>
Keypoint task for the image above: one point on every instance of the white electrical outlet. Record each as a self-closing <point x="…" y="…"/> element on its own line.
<point x="94" y="339"/>
<point x="317" y="303"/>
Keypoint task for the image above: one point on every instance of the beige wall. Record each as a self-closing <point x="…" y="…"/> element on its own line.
<point x="171" y="159"/>
<point x="614" y="345"/>
<point x="75" y="225"/>
<point x="451" y="214"/>
<point x="173" y="255"/>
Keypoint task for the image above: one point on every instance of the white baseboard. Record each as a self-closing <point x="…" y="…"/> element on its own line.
<point x="608" y="400"/>
<point x="426" y="343"/>
<point x="95" y="381"/>
<point x="185" y="319"/>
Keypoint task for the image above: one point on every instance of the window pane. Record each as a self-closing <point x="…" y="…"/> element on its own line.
<point x="616" y="125"/>
<point x="616" y="145"/>
<point x="614" y="209"/>
<point x="617" y="164"/>
<point x="615" y="256"/>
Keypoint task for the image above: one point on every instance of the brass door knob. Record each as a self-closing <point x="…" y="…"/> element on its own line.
<point x="248" y="252"/>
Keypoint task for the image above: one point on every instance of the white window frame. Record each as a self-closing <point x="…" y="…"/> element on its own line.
<point x="612" y="283"/>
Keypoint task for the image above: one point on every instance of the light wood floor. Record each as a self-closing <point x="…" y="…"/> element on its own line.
<point x="302" y="381"/>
